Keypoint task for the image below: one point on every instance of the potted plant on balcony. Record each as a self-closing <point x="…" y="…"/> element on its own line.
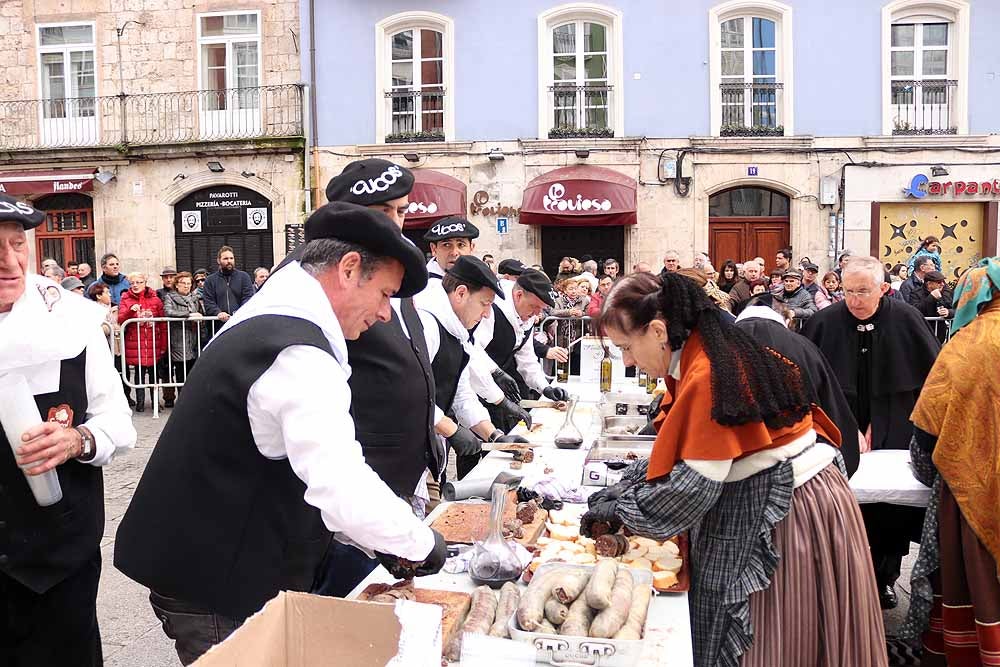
<point x="736" y="130"/>
<point x="413" y="137"/>
<point x="568" y="132"/>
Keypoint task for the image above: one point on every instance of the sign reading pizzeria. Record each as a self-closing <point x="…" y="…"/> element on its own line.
<point x="212" y="217"/>
<point x="580" y="195"/>
<point x="921" y="187"/>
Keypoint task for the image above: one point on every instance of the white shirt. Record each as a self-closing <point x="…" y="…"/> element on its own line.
<point x="527" y="363"/>
<point x="41" y="331"/>
<point x="299" y="409"/>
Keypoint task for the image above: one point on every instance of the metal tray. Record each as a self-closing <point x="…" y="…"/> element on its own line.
<point x="620" y="422"/>
<point x="565" y="650"/>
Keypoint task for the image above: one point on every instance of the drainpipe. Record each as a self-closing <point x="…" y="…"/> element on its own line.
<point x="313" y="116"/>
<point x="831" y="250"/>
<point x="307" y="149"/>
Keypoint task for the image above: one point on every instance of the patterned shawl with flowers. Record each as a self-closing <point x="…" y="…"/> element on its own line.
<point x="960" y="404"/>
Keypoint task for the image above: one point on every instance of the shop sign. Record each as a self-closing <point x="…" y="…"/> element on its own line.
<point x="422" y="208"/>
<point x="555" y="200"/>
<point x="479" y="206"/>
<point x="256" y="218"/>
<point x="921" y="186"/>
<point x="191" y="222"/>
<point x="502" y="226"/>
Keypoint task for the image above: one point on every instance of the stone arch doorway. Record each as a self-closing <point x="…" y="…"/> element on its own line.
<point x="218" y="215"/>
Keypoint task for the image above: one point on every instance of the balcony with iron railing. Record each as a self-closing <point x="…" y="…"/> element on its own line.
<point x="124" y="120"/>
<point x="415" y="115"/>
<point x="581" y="111"/>
<point x="924" y="107"/>
<point x="751" y="109"/>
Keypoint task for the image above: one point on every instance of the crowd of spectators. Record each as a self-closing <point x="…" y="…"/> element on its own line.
<point x="161" y="351"/>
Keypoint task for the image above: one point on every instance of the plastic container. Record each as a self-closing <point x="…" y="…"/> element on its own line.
<point x="18" y="413"/>
<point x="567" y="651"/>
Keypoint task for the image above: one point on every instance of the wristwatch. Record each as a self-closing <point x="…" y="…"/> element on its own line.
<point x="88" y="446"/>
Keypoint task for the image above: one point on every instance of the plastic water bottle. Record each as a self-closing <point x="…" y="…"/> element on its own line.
<point x="18" y="413"/>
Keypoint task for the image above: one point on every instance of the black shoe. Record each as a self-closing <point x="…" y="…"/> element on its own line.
<point x="887" y="597"/>
<point x="168" y="403"/>
<point x="131" y="401"/>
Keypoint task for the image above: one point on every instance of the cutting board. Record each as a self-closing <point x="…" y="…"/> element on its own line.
<point x="454" y="606"/>
<point x="465" y="523"/>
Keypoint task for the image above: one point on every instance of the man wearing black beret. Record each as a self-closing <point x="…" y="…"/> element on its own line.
<point x="510" y="269"/>
<point x="379" y="184"/>
<point x="449" y="309"/>
<point x="233" y="509"/>
<point x="55" y="358"/>
<point x="449" y="239"/>
<point x="506" y="335"/>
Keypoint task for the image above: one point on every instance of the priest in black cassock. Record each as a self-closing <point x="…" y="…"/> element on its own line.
<point x="881" y="350"/>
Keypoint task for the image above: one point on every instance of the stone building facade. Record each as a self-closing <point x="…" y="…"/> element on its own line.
<point x="114" y="111"/>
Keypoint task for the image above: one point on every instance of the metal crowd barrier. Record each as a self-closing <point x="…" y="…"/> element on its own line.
<point x="165" y="371"/>
<point x="583" y="329"/>
<point x="940" y="327"/>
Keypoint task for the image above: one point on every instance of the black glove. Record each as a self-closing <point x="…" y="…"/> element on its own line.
<point x="511" y="438"/>
<point x="555" y="393"/>
<point x="654" y="411"/>
<point x="518" y="413"/>
<point x="507" y="385"/>
<point x="465" y="442"/>
<point x="603" y="512"/>
<point x="436" y="558"/>
<point x="612" y="492"/>
<point x="401" y="568"/>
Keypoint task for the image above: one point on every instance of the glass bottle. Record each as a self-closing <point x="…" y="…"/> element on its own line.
<point x="494" y="562"/>
<point x="569" y="436"/>
<point x="643" y="378"/>
<point x="606" y="372"/>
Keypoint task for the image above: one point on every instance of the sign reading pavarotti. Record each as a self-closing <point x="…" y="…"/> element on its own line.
<point x="221" y="215"/>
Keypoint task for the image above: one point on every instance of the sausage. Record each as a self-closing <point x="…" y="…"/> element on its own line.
<point x="555" y="611"/>
<point x="531" y="608"/>
<point x="510" y="594"/>
<point x="611" y="620"/>
<point x="570" y="585"/>
<point x="479" y="620"/>
<point x="636" y="613"/>
<point x="577" y="623"/>
<point x="602" y="581"/>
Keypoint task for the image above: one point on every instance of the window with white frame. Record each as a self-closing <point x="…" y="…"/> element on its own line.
<point x="580" y="71"/>
<point x="66" y="56"/>
<point x="229" y="49"/>
<point x="580" y="86"/>
<point x="925" y="66"/>
<point x="751" y="68"/>
<point x="417" y="83"/>
<point x="414" y="78"/>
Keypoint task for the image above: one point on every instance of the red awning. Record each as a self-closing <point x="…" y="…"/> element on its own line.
<point x="46" y="182"/>
<point x="580" y="195"/>
<point x="434" y="196"/>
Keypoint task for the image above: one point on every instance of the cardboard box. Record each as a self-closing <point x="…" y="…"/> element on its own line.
<point x="302" y="630"/>
<point x="591" y="355"/>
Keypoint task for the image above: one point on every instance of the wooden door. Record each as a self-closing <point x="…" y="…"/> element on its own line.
<point x="68" y="232"/>
<point x="746" y="239"/>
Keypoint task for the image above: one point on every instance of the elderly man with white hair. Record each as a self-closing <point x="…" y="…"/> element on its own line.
<point x="752" y="283"/>
<point x="56" y="357"/>
<point x="881" y="351"/>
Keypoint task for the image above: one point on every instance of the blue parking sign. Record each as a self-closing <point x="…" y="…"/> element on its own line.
<point x="502" y="225"/>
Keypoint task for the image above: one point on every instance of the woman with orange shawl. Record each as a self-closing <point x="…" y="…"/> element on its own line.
<point x="956" y="450"/>
<point x="780" y="571"/>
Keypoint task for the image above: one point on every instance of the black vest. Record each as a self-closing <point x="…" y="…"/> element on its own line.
<point x="213" y="522"/>
<point x="392" y="401"/>
<point x="504" y="346"/>
<point x="41" y="546"/>
<point x="448" y="365"/>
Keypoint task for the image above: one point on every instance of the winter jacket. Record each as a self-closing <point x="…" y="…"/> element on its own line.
<point x="928" y="304"/>
<point x="742" y="291"/>
<point x="824" y="298"/>
<point x="145" y="342"/>
<point x="117" y="285"/>
<point x="183" y="335"/>
<point x="596" y="301"/>
<point x="225" y="294"/>
<point x="800" y="302"/>
<point x="924" y="252"/>
<point x="911" y="286"/>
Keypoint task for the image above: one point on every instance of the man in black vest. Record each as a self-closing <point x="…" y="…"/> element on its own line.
<point x="449" y="309"/>
<point x="506" y="336"/>
<point x="50" y="557"/>
<point x="239" y="504"/>
<point x="450" y="239"/>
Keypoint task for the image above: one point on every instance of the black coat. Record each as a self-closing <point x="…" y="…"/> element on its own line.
<point x="226" y="294"/>
<point x="903" y="352"/>
<point x="824" y="388"/>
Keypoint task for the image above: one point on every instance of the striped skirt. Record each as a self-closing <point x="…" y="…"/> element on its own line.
<point x="822" y="608"/>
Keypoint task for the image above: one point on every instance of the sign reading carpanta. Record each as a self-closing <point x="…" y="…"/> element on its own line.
<point x="921" y="186"/>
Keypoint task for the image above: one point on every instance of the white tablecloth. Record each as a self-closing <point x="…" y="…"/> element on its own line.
<point x="885" y="476"/>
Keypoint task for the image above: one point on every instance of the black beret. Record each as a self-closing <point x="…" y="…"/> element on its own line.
<point x="373" y="231"/>
<point x="23" y="214"/>
<point x="538" y="284"/>
<point x="511" y="267"/>
<point x="452" y="227"/>
<point x="369" y="182"/>
<point x="473" y="270"/>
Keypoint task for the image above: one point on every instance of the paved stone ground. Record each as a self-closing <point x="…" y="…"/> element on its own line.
<point x="131" y="633"/>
